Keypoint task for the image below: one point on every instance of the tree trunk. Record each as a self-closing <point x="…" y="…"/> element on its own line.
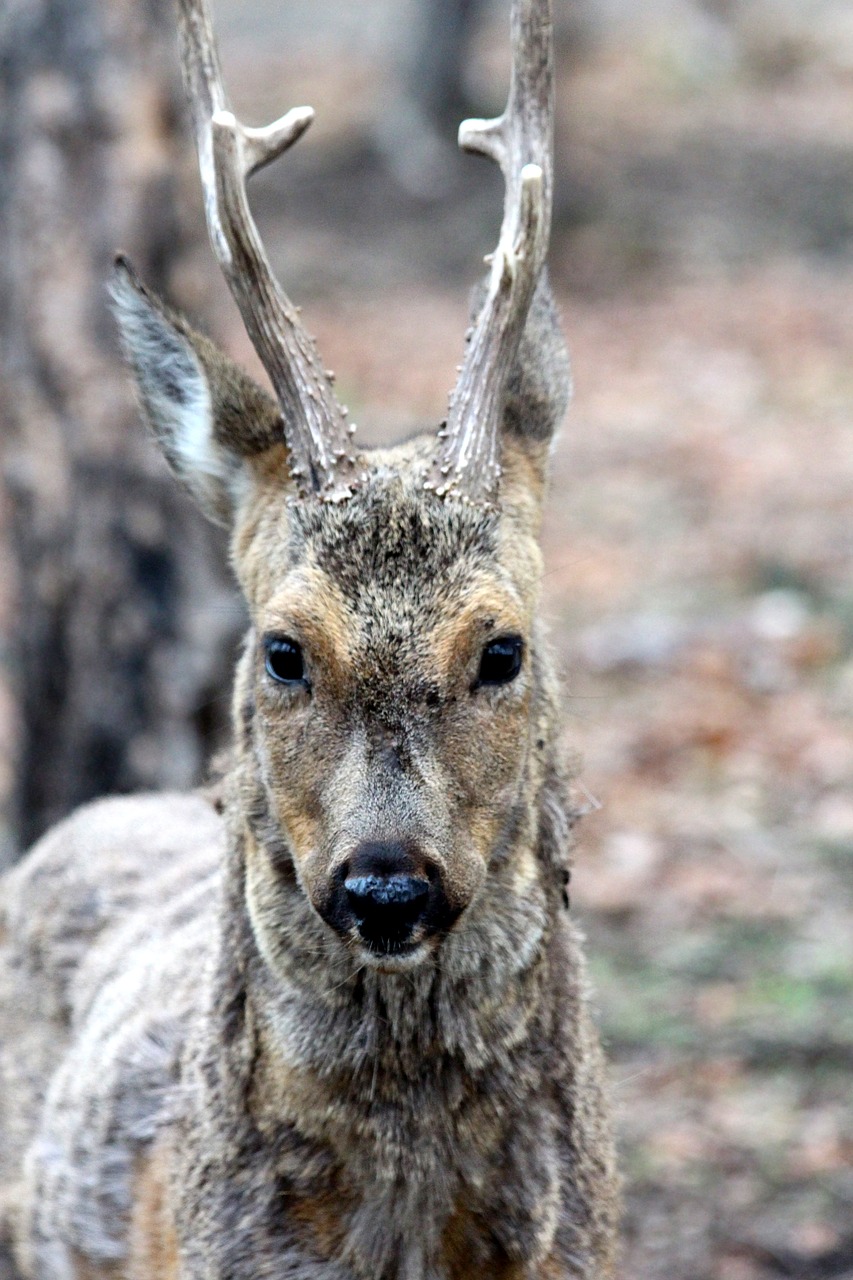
<point x="119" y="624"/>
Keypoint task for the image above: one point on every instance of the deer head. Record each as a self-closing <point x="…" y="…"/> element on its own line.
<point x="393" y="706"/>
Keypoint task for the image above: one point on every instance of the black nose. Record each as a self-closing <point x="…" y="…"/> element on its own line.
<point x="376" y="895"/>
<point x="385" y="895"/>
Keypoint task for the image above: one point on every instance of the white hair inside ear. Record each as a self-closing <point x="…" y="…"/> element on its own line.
<point x="174" y="393"/>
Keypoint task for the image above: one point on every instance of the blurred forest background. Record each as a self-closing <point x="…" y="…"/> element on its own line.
<point x="699" y="537"/>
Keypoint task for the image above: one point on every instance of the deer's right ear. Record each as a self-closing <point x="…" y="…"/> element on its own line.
<point x="209" y="416"/>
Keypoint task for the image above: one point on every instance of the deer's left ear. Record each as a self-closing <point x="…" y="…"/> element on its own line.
<point x="208" y="416"/>
<point x="539" y="389"/>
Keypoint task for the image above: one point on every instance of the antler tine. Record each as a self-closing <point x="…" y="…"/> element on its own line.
<point x="315" y="426"/>
<point x="521" y="142"/>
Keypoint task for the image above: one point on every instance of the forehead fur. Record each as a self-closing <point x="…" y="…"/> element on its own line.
<point x="393" y="532"/>
<point x="391" y="539"/>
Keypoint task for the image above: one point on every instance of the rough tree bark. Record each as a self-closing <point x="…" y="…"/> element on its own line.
<point x="119" y="650"/>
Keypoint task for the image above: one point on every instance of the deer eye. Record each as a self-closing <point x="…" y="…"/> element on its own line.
<point x="501" y="661"/>
<point x="284" y="660"/>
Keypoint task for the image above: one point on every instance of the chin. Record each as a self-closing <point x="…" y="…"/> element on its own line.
<point x="410" y="956"/>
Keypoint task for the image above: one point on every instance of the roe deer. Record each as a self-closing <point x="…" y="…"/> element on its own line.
<point x="333" y="1026"/>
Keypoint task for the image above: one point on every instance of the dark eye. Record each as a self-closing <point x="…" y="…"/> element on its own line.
<point x="284" y="660"/>
<point x="501" y="661"/>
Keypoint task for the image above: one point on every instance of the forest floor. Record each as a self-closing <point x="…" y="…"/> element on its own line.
<point x="699" y="541"/>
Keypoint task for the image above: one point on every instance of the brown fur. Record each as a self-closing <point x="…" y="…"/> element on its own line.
<point x="153" y="1247"/>
<point x="85" y="1270"/>
<point x="203" y="1071"/>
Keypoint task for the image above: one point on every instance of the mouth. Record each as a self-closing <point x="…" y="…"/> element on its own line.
<point x="392" y="957"/>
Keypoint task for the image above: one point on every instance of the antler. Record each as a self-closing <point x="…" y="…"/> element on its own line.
<point x="521" y="142"/>
<point x="315" y="425"/>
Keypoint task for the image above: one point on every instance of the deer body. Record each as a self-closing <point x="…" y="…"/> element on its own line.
<point x="336" y="1121"/>
<point x="333" y="1026"/>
